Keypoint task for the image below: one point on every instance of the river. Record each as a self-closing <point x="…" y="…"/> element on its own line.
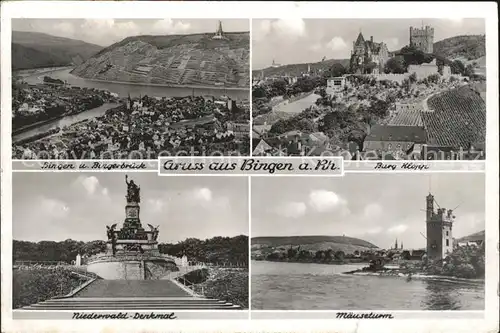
<point x="296" y="286"/>
<point x="64" y="121"/>
<point x="124" y="89"/>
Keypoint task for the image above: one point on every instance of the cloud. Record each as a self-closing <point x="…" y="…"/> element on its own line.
<point x="337" y="44"/>
<point x="54" y="208"/>
<point x="316" y="47"/>
<point x="392" y="43"/>
<point x="203" y="194"/>
<point x="261" y="30"/>
<point x="292" y="209"/>
<point x="291" y="27"/>
<point x="169" y="27"/>
<point x="374" y="231"/>
<point x="397" y="229"/>
<point x="90" y="184"/>
<point x="372" y="210"/>
<point x="155" y="205"/>
<point x="324" y="201"/>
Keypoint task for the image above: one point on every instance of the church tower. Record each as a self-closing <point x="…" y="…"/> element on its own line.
<point x="439" y="230"/>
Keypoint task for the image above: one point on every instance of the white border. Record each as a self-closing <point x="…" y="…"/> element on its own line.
<point x="81" y="9"/>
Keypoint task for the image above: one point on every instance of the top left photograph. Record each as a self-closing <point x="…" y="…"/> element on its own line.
<point x="130" y="88"/>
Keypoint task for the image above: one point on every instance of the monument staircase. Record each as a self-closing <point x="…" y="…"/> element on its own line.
<point x="123" y="283"/>
<point x="132" y="295"/>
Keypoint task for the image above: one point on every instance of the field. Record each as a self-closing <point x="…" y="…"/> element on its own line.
<point x="407" y="118"/>
<point x="458" y="120"/>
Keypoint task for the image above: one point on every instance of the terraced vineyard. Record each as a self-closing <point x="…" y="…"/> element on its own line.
<point x="458" y="120"/>
<point x="190" y="60"/>
<point x="407" y="118"/>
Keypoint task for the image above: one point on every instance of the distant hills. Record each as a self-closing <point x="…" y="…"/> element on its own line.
<point x="195" y="59"/>
<point x="36" y="50"/>
<point x="466" y="47"/>
<point x="314" y="243"/>
<point x="473" y="237"/>
<point x="297" y="69"/>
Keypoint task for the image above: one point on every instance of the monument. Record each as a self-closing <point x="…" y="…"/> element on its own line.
<point x="132" y="252"/>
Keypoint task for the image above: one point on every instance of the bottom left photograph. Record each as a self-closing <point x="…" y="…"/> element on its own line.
<point x="136" y="241"/>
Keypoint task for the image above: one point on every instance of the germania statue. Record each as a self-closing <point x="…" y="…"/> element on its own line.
<point x="133" y="191"/>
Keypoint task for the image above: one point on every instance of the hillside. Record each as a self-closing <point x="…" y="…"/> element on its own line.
<point x="195" y="60"/>
<point x="311" y="242"/>
<point x="297" y="69"/>
<point x="466" y="47"/>
<point x="37" y="50"/>
<point x="473" y="237"/>
<point x="458" y="120"/>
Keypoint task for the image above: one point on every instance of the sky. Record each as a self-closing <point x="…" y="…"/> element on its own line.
<point x="60" y="206"/>
<point x="105" y="32"/>
<point x="374" y="207"/>
<point x="292" y="41"/>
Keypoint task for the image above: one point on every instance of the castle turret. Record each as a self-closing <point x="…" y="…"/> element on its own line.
<point x="422" y="39"/>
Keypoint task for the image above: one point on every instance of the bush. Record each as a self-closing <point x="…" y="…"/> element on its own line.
<point x="35" y="285"/>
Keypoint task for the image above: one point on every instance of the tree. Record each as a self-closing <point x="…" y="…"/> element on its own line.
<point x="395" y="65"/>
<point x="336" y="70"/>
<point x="457" y="67"/>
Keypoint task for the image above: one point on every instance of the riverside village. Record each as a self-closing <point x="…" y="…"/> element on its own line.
<point x="331" y="244"/>
<point x="138" y="98"/>
<point x="131" y="270"/>
<point x="425" y="100"/>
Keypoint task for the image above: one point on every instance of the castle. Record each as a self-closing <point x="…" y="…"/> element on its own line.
<point x="439" y="230"/>
<point x="422" y="39"/>
<point x="368" y="57"/>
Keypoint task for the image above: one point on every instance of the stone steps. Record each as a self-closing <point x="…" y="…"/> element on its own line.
<point x="132" y="295"/>
<point x="165" y="303"/>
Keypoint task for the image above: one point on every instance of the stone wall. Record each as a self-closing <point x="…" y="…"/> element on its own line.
<point x="399" y="78"/>
<point x="118" y="270"/>
<point x="422" y="71"/>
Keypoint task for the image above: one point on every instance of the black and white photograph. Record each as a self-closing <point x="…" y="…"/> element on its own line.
<point x="130" y="88"/>
<point x="369" y="88"/>
<point x="369" y="242"/>
<point x="114" y="241"/>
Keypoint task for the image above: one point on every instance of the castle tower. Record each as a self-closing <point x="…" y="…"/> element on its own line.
<point x="439" y="230"/>
<point x="422" y="39"/>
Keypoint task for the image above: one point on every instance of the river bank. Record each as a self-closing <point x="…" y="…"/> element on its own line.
<point x="164" y="85"/>
<point x="319" y="262"/>
<point x="420" y="276"/>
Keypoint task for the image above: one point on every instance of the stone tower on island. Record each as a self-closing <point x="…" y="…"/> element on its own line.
<point x="439" y="230"/>
<point x="422" y="39"/>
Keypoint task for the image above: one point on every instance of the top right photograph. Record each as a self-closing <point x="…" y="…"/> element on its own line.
<point x="369" y="89"/>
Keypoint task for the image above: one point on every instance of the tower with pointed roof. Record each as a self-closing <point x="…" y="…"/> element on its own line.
<point x="367" y="56"/>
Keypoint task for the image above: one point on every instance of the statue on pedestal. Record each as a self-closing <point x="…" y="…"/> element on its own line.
<point x="133" y="191"/>
<point x="112" y="237"/>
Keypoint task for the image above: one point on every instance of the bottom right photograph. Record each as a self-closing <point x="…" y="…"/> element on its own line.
<point x="368" y="242"/>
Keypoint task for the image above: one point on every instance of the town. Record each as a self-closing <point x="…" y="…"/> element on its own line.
<point x="413" y="104"/>
<point x="134" y="128"/>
